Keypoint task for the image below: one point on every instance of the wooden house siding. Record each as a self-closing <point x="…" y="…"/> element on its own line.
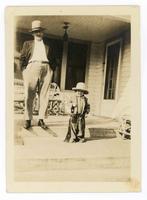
<point x="96" y="73"/>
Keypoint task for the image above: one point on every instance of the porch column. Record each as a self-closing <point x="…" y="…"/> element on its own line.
<point x="63" y="67"/>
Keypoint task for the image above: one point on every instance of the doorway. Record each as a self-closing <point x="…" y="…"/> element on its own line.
<point x="76" y="64"/>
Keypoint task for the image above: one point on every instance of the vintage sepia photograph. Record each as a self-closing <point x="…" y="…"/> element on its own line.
<point x="73" y="99"/>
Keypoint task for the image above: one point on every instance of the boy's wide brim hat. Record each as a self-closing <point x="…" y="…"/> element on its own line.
<point x="36" y="26"/>
<point x="80" y="87"/>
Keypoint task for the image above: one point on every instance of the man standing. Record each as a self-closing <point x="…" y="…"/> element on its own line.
<point x="37" y="63"/>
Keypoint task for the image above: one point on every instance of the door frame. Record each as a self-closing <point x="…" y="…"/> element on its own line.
<point x="113" y="101"/>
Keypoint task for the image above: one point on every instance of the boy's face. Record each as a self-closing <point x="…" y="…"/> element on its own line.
<point x="80" y="93"/>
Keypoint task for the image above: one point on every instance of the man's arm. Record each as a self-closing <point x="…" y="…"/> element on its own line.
<point x="23" y="57"/>
<point x="87" y="106"/>
<point x="52" y="58"/>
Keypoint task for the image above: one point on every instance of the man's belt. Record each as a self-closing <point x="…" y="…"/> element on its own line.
<point x="43" y="62"/>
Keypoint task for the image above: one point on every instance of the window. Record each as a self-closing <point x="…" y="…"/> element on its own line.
<point x="112" y="61"/>
<point x="76" y="64"/>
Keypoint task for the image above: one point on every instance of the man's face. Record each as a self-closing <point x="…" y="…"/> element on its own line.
<point x="38" y="35"/>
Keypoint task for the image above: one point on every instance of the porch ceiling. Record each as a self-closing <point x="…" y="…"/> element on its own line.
<point x="89" y="28"/>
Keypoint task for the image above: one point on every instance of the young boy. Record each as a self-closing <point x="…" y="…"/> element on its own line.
<point x="79" y="108"/>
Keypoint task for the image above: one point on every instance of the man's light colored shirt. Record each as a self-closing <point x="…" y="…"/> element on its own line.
<point x="39" y="53"/>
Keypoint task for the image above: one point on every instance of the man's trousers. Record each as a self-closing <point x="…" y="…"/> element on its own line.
<point x="36" y="72"/>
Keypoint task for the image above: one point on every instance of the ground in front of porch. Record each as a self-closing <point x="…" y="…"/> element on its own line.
<point x="43" y="156"/>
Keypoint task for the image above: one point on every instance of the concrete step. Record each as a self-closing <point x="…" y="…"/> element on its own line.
<point x="103" y="175"/>
<point x="45" y="157"/>
<point x="23" y="165"/>
<point x="56" y="148"/>
<point x="45" y="153"/>
<point x="71" y="162"/>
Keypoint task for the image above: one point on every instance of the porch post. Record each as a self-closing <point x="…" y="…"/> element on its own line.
<point x="63" y="67"/>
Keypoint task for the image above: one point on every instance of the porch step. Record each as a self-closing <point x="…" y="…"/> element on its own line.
<point x="46" y="157"/>
<point x="71" y="163"/>
<point x="54" y="160"/>
<point x="103" y="175"/>
<point x="73" y="169"/>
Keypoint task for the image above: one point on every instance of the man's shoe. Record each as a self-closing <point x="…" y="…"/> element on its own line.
<point x="66" y="140"/>
<point x="27" y="124"/>
<point x="42" y="124"/>
<point x="74" y="140"/>
<point x="82" y="140"/>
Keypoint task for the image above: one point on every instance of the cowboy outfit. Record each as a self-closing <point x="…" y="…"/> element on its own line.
<point x="37" y="63"/>
<point x="80" y="107"/>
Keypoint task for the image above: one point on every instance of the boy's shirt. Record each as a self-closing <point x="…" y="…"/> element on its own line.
<point x="80" y="105"/>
